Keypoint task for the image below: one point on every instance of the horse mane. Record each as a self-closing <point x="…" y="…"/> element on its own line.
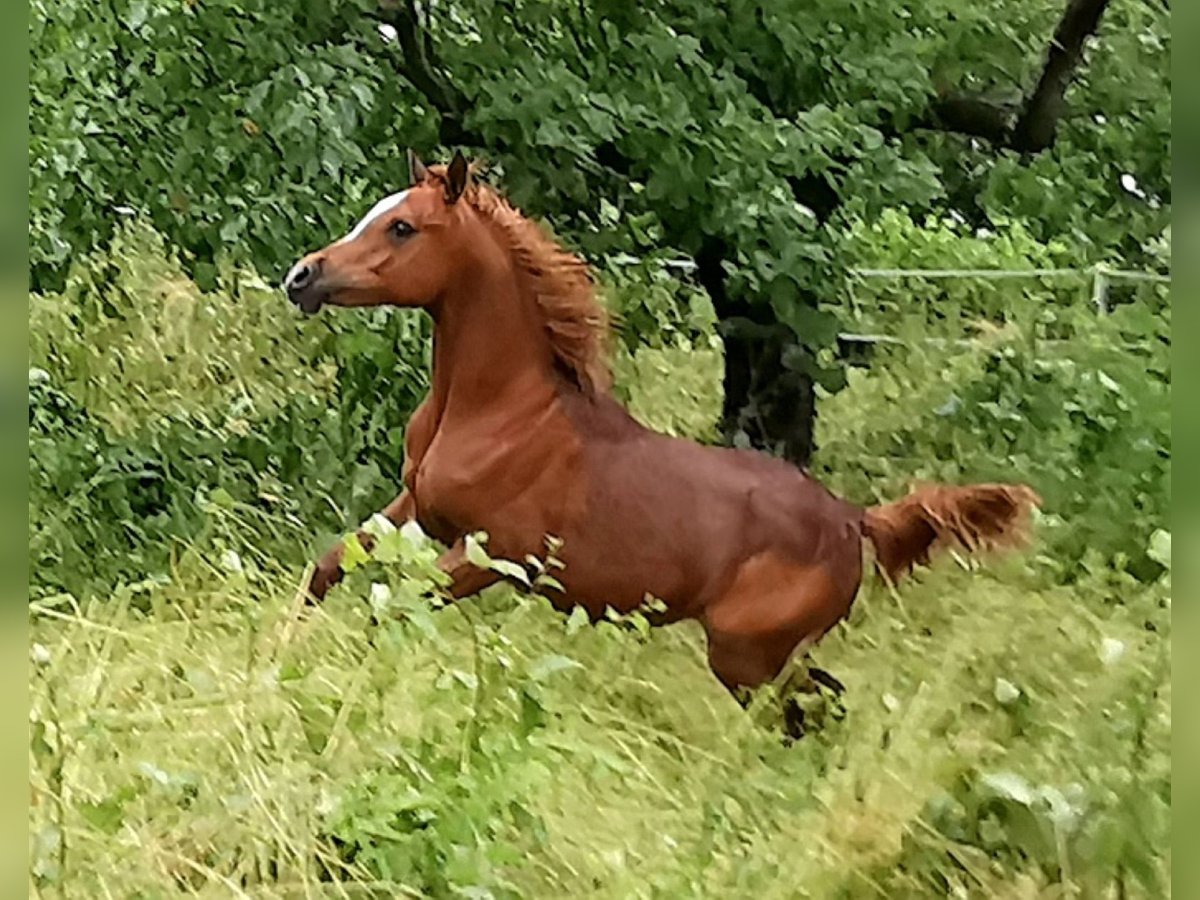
<point x="560" y="282"/>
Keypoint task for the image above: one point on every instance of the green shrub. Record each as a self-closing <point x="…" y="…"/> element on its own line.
<point x="149" y="395"/>
<point x="1085" y="421"/>
<point x="1011" y="380"/>
<point x="948" y="304"/>
<point x="149" y="398"/>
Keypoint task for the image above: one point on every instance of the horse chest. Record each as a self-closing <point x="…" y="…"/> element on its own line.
<point x="495" y="486"/>
<point x="447" y="494"/>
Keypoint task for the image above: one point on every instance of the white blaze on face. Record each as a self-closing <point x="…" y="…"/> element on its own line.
<point x="387" y="204"/>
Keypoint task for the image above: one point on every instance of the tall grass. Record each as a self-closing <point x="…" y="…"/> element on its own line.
<point x="1005" y="731"/>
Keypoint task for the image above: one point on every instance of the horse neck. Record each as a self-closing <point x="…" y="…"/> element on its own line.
<point x="490" y="349"/>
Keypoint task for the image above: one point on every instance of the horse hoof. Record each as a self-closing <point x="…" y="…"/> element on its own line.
<point x="825" y="680"/>
<point x="793" y="721"/>
<point x="319" y="585"/>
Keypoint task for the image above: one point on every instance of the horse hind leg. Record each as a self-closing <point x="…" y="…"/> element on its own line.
<point x="827" y="681"/>
<point x="742" y="664"/>
<point x="772" y="612"/>
<point x="773" y="609"/>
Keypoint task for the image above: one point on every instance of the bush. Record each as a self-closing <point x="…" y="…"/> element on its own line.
<point x="151" y="399"/>
<point x="1085" y="421"/>
<point x="1012" y="380"/>
<point x="895" y="241"/>
<point x="149" y="396"/>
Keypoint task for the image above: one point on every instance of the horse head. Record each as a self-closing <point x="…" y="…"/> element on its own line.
<point x="404" y="252"/>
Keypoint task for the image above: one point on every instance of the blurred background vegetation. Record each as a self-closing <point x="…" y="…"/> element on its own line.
<point x="751" y="138"/>
<point x="744" y="176"/>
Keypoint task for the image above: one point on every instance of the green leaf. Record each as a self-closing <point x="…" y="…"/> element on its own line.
<point x="222" y="498"/>
<point x="1005" y="691"/>
<point x="353" y="554"/>
<point x="475" y="553"/>
<point x="1160" y="547"/>
<point x="549" y="581"/>
<point x="1106" y="380"/>
<point x="139" y="10"/>
<point x="390" y="547"/>
<point x="421" y="618"/>
<point x="510" y="569"/>
<point x="1011" y="786"/>
<point x="548" y="665"/>
<point x="107" y="816"/>
<point x="533" y="714"/>
<point x="577" y="620"/>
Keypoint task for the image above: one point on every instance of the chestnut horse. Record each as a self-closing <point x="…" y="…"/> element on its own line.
<point x="520" y="437"/>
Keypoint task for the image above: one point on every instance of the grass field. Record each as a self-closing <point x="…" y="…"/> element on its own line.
<point x="1005" y="731"/>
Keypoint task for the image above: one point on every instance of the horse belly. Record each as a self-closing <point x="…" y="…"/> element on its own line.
<point x="649" y="532"/>
<point x="600" y="574"/>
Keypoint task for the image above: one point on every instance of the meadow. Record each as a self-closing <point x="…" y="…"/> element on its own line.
<point x="1005" y="729"/>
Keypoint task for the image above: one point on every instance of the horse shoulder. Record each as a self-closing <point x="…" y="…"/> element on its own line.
<point x="417" y="437"/>
<point x="504" y="477"/>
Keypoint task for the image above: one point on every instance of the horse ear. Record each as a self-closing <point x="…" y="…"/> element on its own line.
<point x="416" y="168"/>
<point x="457" y="174"/>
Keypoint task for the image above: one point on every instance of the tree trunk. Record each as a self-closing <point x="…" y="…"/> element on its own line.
<point x="767" y="405"/>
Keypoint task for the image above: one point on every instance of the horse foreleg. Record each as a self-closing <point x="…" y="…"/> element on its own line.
<point x="466" y="577"/>
<point x="328" y="571"/>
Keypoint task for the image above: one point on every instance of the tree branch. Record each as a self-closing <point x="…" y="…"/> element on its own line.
<point x="973" y="116"/>
<point x="1038" y="121"/>
<point x="420" y="68"/>
<point x="1028" y="127"/>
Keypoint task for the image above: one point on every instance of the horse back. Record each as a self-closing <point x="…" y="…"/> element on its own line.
<point x="680" y="517"/>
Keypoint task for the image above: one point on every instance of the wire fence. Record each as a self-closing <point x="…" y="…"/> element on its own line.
<point x="1103" y="277"/>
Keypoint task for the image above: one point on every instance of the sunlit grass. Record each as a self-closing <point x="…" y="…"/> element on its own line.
<point x="198" y="734"/>
<point x="1003" y="734"/>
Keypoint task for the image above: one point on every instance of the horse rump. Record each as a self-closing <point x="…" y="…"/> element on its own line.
<point x="977" y="518"/>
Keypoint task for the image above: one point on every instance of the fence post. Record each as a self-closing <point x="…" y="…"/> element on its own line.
<point x="1100" y="289"/>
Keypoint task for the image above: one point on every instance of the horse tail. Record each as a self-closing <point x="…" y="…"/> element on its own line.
<point x="978" y="518"/>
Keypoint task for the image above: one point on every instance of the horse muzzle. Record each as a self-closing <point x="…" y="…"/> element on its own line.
<point x="304" y="286"/>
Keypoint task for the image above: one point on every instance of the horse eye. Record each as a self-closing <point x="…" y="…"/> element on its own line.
<point x="401" y="229"/>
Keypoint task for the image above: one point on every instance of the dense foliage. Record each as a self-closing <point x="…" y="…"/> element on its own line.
<point x="748" y="136"/>
<point x="1012" y="378"/>
<point x="1005" y="732"/>
<point x="241" y="138"/>
<point x="1002" y="733"/>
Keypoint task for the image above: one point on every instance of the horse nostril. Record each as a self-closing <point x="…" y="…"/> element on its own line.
<point x="299" y="277"/>
<point x="302" y="276"/>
